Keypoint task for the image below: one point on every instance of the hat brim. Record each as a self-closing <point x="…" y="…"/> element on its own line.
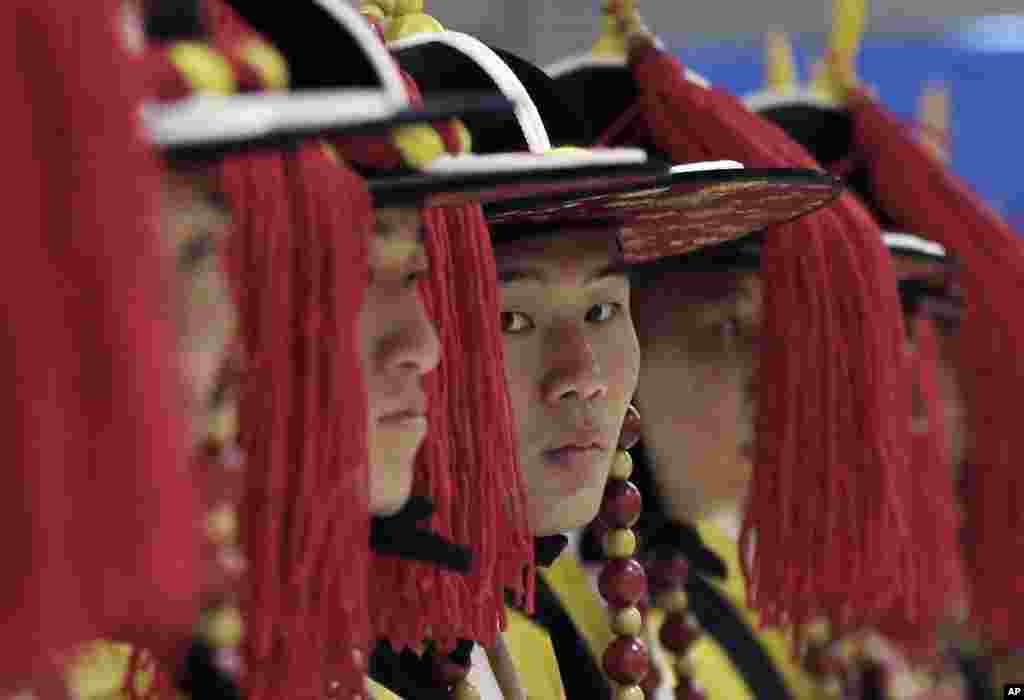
<point x="495" y="178"/>
<point x="691" y="207"/>
<point x="208" y="127"/>
<point x="925" y="276"/>
<point x="906" y="245"/>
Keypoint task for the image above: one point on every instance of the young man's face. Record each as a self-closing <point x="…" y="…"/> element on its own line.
<point x="398" y="345"/>
<point x="194" y="224"/>
<point x="953" y="413"/>
<point x="698" y="336"/>
<point x="571" y="362"/>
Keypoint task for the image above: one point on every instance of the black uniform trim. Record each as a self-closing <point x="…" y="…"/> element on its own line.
<point x="581" y="677"/>
<point x="399" y="535"/>
<point x="720" y="620"/>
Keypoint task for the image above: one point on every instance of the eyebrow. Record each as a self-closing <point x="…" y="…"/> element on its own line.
<point x="508" y="274"/>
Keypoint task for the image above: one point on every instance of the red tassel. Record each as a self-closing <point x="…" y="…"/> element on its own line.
<point x="298" y="258"/>
<point x="98" y="505"/>
<point x="828" y="496"/>
<point x="921" y="194"/>
<point x="935" y="520"/>
<point x="468" y="464"/>
<point x="411" y="601"/>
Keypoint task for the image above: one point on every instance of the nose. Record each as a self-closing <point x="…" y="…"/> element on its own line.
<point x="574" y="371"/>
<point x="413" y="345"/>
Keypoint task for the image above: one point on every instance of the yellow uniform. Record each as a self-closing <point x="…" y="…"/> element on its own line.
<point x="530" y="647"/>
<point x="714" y="670"/>
<point x="379" y="692"/>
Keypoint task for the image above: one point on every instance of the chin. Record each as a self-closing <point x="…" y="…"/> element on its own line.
<point x="390" y="484"/>
<point x="568" y="514"/>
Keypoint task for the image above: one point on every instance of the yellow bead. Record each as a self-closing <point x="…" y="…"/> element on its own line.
<point x="620" y="544"/>
<point x="817" y="632"/>
<point x="627" y="622"/>
<point x="418" y="144"/>
<point x="464" y="690"/>
<point x="629" y="692"/>
<point x="268" y="62"/>
<point x="833" y="688"/>
<point x="224" y="627"/>
<point x="622" y="465"/>
<point x="407" y="7"/>
<point x="673" y="601"/>
<point x="205" y="70"/>
<point x="412" y="25"/>
<point x="222" y="524"/>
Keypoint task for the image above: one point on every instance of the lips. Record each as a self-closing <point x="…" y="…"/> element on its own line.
<point x="579" y="450"/>
<point x="413" y="409"/>
<point x="580" y="441"/>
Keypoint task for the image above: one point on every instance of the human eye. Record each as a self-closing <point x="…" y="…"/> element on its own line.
<point x="515" y="322"/>
<point x="602" y="313"/>
<point x="417" y="274"/>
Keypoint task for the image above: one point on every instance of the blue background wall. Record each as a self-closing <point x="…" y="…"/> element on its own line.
<point x="985" y="78"/>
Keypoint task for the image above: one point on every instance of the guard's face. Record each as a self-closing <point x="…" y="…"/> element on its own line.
<point x="571" y="362"/>
<point x="953" y="413"/>
<point x="398" y="345"/>
<point x="194" y="225"/>
<point x="698" y="337"/>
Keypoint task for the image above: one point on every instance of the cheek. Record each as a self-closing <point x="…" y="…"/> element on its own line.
<point x="369" y="337"/>
<point x="619" y="358"/>
<point x="522" y="378"/>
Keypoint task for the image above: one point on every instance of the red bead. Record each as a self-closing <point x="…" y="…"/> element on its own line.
<point x="687" y="690"/>
<point x="822" y="661"/>
<point x="623" y="583"/>
<point x="625" y="660"/>
<point x="630" y="434"/>
<point x="678" y="634"/>
<point x="622" y="503"/>
<point x="652" y="681"/>
<point x="668" y="573"/>
<point x="448" y="673"/>
<point x="359" y="661"/>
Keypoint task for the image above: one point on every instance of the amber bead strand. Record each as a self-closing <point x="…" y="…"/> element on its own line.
<point x="623" y="582"/>
<point x="826" y="660"/>
<point x="220" y="466"/>
<point x="680" y="629"/>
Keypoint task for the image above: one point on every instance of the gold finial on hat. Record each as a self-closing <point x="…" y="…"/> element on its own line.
<point x="933" y="120"/>
<point x="612" y="42"/>
<point x="780" y="65"/>
<point x="848" y="24"/>
<point x="401" y="18"/>
<point x="621" y="21"/>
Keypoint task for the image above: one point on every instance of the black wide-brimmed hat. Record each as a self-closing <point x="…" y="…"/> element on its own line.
<point x="354" y="87"/>
<point x="683" y="208"/>
<point x="327" y="44"/>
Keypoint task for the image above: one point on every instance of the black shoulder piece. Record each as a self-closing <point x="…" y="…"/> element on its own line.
<point x="400" y="535"/>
